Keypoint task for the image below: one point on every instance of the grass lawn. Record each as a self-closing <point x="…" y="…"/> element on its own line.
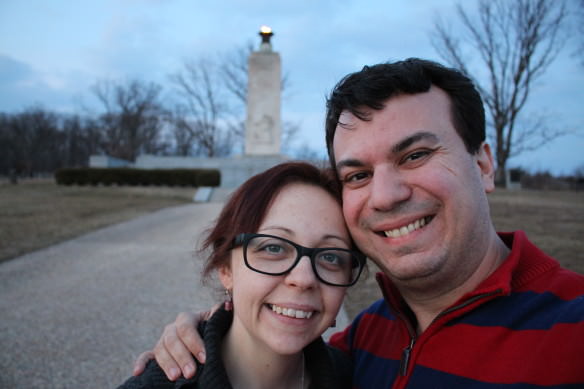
<point x="37" y="213"/>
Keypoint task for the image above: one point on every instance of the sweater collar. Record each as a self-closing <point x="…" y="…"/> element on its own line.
<point x="213" y="373"/>
<point x="514" y="272"/>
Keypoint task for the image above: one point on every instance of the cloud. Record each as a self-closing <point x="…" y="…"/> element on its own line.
<point x="22" y="86"/>
<point x="13" y="71"/>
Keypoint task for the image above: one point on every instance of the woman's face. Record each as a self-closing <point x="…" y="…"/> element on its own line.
<point x="309" y="216"/>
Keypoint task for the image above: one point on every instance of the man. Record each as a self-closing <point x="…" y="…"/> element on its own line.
<point x="463" y="306"/>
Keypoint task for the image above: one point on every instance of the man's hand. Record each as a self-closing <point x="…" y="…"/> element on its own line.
<point x="175" y="349"/>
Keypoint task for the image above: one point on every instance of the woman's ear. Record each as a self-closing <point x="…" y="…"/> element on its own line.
<point x="226" y="277"/>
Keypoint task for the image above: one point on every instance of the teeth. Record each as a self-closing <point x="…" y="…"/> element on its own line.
<point x="296" y="313"/>
<point x="402" y="231"/>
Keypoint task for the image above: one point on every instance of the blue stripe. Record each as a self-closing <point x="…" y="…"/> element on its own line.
<point x="370" y="371"/>
<point x="425" y="378"/>
<point x="380" y="308"/>
<point x="526" y="311"/>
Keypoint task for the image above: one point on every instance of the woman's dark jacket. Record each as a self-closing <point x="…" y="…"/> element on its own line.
<point x="328" y="367"/>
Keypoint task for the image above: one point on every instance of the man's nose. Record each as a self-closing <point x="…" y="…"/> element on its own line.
<point x="389" y="188"/>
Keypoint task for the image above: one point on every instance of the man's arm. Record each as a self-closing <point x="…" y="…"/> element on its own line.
<point x="175" y="349"/>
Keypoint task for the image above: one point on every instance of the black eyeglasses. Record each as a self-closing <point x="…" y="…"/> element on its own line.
<point x="275" y="256"/>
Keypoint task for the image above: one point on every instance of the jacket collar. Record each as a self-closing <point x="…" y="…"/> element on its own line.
<point x="524" y="263"/>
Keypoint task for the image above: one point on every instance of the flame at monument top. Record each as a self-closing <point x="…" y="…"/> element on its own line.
<point x="266" y="33"/>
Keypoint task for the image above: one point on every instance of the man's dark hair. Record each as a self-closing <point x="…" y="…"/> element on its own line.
<point x="374" y="85"/>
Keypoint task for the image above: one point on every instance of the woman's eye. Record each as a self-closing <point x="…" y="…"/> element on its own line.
<point x="273" y="248"/>
<point x="330" y="258"/>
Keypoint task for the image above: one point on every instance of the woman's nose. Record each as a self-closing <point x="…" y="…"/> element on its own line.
<point x="302" y="275"/>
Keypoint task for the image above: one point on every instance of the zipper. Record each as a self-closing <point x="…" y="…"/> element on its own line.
<point x="466" y="303"/>
<point x="405" y="358"/>
<point x="407" y="352"/>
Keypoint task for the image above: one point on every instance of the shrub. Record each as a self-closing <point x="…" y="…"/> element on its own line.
<point x="209" y="178"/>
<point x="133" y="177"/>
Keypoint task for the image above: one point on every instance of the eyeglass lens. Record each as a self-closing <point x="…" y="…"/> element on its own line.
<point x="276" y="256"/>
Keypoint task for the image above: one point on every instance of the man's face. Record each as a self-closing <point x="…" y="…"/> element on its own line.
<point x="414" y="199"/>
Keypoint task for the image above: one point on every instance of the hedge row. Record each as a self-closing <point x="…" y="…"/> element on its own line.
<point x="133" y="177"/>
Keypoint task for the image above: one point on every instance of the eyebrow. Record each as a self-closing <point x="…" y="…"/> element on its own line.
<point x="410" y="140"/>
<point x="291" y="233"/>
<point x="398" y="148"/>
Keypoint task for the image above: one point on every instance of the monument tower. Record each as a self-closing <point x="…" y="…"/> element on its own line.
<point x="262" y="124"/>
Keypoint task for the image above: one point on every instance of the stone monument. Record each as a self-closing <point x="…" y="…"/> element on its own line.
<point x="262" y="125"/>
<point x="262" y="128"/>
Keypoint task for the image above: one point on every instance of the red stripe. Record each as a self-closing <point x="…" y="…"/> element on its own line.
<point x="565" y="284"/>
<point x="500" y="355"/>
<point x="387" y="343"/>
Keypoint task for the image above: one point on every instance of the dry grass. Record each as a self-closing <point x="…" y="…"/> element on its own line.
<point x="37" y="213"/>
<point x="554" y="221"/>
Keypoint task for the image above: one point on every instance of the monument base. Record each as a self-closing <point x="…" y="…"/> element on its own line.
<point x="234" y="170"/>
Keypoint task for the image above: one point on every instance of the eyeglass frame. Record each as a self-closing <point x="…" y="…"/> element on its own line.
<point x="243" y="240"/>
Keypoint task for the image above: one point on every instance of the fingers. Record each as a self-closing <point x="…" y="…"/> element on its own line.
<point x="179" y="342"/>
<point x="141" y="361"/>
<point x="171" y="367"/>
<point x="186" y="328"/>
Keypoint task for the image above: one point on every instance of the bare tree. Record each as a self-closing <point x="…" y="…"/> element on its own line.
<point x="181" y="132"/>
<point x="33" y="141"/>
<point x="132" y="119"/>
<point x="82" y="138"/>
<point x="36" y="141"/>
<point x="516" y="41"/>
<point x="234" y="70"/>
<point x="205" y="110"/>
<point x="579" y="21"/>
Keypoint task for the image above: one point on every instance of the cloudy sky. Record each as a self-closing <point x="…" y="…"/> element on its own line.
<point x="51" y="52"/>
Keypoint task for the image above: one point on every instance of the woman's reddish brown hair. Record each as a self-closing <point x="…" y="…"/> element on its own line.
<point x="247" y="206"/>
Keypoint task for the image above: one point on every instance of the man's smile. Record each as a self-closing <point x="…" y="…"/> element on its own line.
<point x="408" y="228"/>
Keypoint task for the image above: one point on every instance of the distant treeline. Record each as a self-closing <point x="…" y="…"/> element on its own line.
<point x="133" y="119"/>
<point x="36" y="142"/>
<point x="546" y="181"/>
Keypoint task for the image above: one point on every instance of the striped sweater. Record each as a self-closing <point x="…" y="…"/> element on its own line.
<point x="522" y="328"/>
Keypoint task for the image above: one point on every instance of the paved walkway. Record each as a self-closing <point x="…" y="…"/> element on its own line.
<point x="76" y="314"/>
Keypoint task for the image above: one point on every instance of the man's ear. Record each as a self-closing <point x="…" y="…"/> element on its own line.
<point x="226" y="277"/>
<point x="486" y="166"/>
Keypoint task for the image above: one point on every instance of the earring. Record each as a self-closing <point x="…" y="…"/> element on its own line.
<point x="228" y="304"/>
<point x="334" y="323"/>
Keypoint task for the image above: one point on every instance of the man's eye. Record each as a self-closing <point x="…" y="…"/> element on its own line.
<point x="355" y="177"/>
<point x="417" y="155"/>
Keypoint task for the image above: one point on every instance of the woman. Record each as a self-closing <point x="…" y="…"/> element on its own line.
<point x="281" y="249"/>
